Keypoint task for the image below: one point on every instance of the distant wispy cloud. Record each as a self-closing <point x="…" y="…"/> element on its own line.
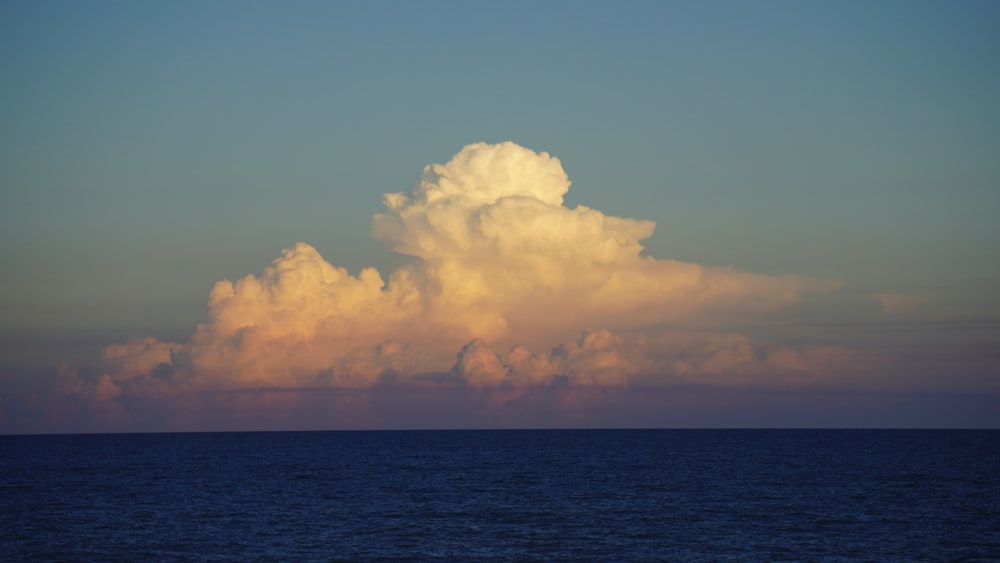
<point x="895" y="303"/>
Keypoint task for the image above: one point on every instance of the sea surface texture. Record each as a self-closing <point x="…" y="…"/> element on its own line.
<point x="607" y="495"/>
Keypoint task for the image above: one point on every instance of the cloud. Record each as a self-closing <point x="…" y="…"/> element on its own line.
<point x="496" y="243"/>
<point x="137" y="357"/>
<point x="507" y="287"/>
<point x="896" y="303"/>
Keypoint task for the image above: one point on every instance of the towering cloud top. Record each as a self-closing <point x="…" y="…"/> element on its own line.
<point x="483" y="174"/>
<point x="503" y="203"/>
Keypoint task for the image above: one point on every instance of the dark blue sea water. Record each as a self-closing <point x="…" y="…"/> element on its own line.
<point x="630" y="495"/>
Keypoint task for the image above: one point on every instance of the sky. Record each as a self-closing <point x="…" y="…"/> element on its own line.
<point x="351" y="215"/>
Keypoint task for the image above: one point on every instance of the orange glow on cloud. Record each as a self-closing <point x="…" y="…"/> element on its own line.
<point x="508" y="288"/>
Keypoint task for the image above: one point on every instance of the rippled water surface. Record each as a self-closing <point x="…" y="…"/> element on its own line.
<point x="524" y="495"/>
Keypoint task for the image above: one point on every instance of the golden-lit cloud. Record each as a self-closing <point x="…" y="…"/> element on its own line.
<point x="507" y="287"/>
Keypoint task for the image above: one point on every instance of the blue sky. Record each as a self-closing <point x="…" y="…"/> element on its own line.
<point x="149" y="150"/>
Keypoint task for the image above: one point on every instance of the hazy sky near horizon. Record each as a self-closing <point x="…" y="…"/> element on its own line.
<point x="150" y="150"/>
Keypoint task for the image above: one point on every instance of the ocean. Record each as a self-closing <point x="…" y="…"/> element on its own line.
<point x="524" y="495"/>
